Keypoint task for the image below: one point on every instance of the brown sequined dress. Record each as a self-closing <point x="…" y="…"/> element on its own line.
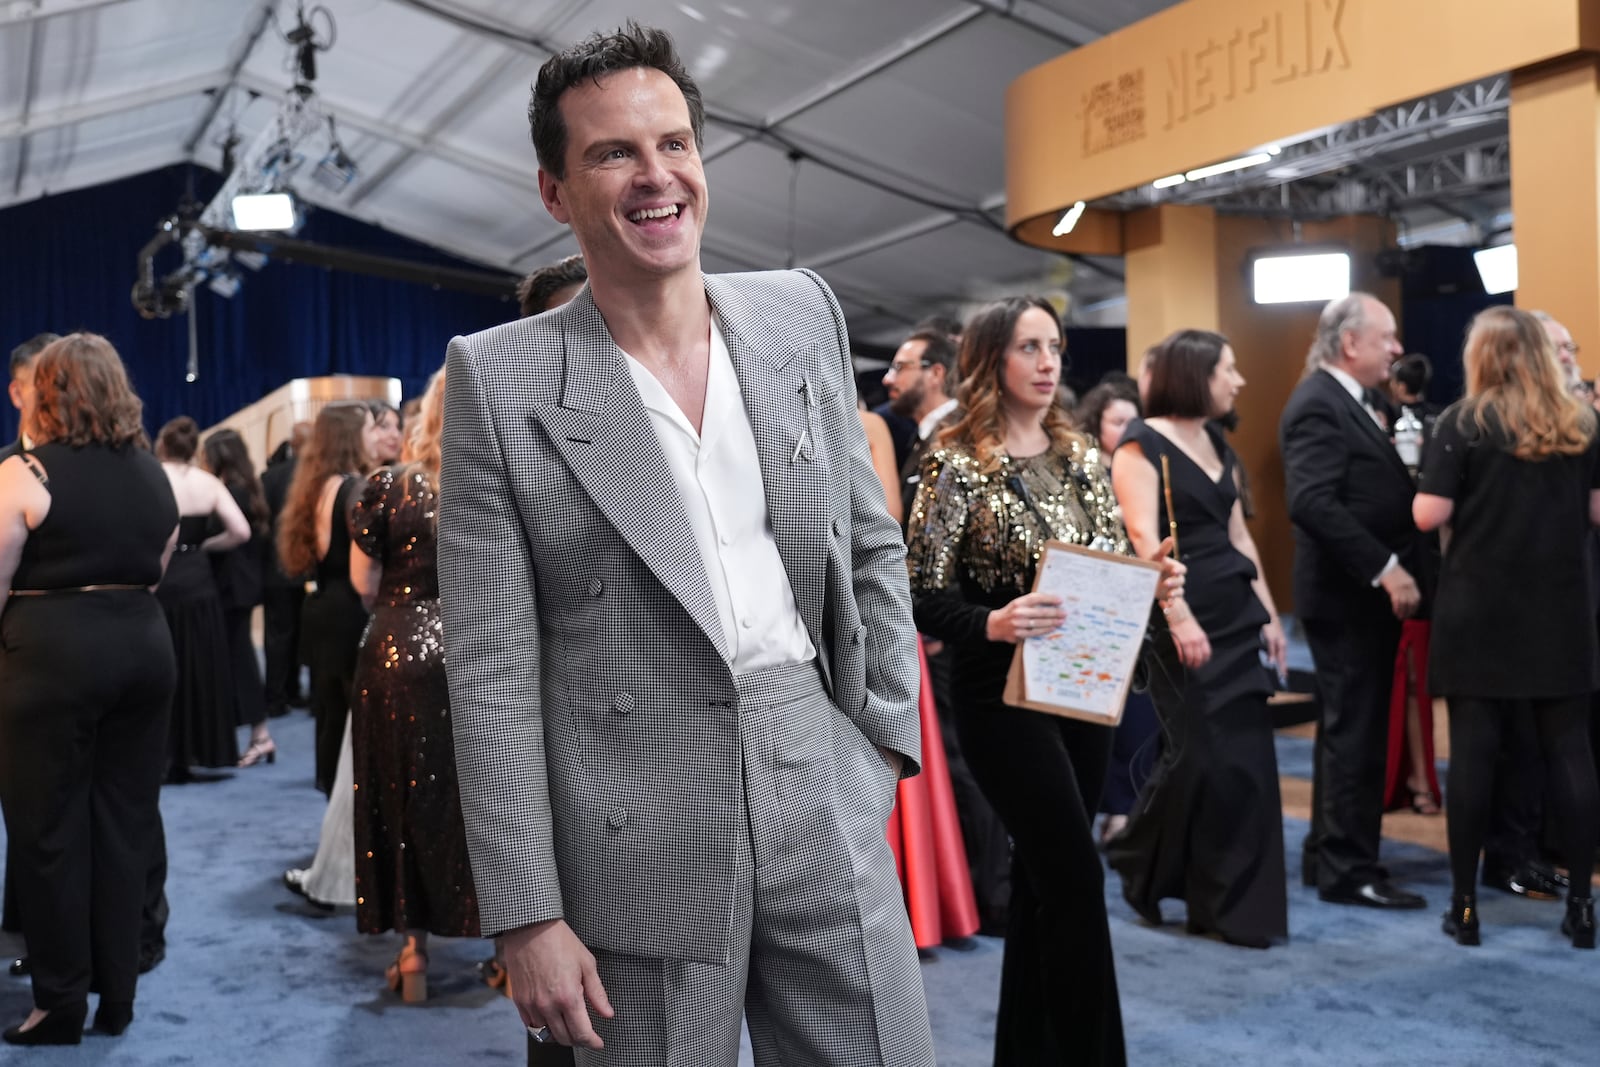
<point x="412" y="870"/>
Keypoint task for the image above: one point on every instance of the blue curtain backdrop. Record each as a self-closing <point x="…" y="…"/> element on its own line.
<point x="67" y="263"/>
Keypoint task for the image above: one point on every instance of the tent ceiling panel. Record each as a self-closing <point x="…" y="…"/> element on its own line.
<point x="936" y="114"/>
<point x="750" y="196"/>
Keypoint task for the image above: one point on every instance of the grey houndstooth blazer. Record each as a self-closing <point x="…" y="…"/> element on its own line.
<point x="595" y="715"/>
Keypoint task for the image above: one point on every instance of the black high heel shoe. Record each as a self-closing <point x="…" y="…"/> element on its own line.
<point x="61" y="1026"/>
<point x="1461" y="921"/>
<point x="113" y="1016"/>
<point x="1579" y="923"/>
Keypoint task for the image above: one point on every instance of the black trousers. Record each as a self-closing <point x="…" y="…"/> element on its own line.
<point x="1516" y="806"/>
<point x="1355" y="668"/>
<point x="1058" y="983"/>
<point x="280" y="639"/>
<point x="88" y="689"/>
<point x="1477" y="728"/>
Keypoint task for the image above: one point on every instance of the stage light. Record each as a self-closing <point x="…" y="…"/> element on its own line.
<point x="1497" y="268"/>
<point x="1169" y="181"/>
<point x="264" y="211"/>
<point x="1069" y="220"/>
<point x="1299" y="278"/>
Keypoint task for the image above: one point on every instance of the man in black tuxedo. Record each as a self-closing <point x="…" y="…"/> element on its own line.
<point x="1355" y="553"/>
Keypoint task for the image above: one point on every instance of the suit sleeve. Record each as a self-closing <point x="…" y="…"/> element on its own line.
<point x="878" y="575"/>
<point x="1316" y="455"/>
<point x="491" y="629"/>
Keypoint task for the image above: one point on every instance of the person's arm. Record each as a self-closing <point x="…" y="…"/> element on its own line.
<point x="1138" y="489"/>
<point x="889" y="718"/>
<point x="881" y="445"/>
<point x="1272" y="632"/>
<point x="1316" y="456"/>
<point x="235" y="527"/>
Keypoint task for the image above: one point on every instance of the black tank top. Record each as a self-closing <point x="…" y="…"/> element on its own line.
<point x="111" y="513"/>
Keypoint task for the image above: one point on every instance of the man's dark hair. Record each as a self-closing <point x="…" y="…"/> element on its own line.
<point x="24" y="353"/>
<point x="945" y="324"/>
<point x="939" y="348"/>
<point x="534" y="291"/>
<point x="629" y="47"/>
<point x="1413" y="371"/>
<point x="1180" y="374"/>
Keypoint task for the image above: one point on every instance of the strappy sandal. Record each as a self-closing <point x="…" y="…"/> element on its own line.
<point x="258" y="751"/>
<point x="410" y="982"/>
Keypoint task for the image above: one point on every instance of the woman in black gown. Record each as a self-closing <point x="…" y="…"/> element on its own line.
<point x="1208" y="827"/>
<point x="413" y="875"/>
<point x="201" y="733"/>
<point x="86" y="680"/>
<point x="314" y="540"/>
<point x="1514" y="470"/>
<point x="240" y="573"/>
<point x="1010" y="475"/>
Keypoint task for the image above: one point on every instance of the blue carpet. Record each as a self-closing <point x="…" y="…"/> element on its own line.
<point x="252" y="976"/>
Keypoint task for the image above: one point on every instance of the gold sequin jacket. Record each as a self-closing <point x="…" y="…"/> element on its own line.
<point x="975" y="538"/>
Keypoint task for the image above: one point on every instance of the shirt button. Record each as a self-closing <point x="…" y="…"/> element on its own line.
<point x="725" y="539"/>
<point x="746" y="623"/>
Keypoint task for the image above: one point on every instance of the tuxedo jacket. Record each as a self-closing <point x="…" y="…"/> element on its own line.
<point x="1349" y="499"/>
<point x="595" y="715"/>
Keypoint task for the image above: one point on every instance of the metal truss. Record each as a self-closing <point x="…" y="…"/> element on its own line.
<point x="1382" y="159"/>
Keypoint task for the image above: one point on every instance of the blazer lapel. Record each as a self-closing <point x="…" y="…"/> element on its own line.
<point x="784" y="410"/>
<point x="602" y="430"/>
<point x="1369" y="426"/>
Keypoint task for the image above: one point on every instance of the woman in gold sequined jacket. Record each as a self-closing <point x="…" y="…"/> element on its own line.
<point x="1008" y="476"/>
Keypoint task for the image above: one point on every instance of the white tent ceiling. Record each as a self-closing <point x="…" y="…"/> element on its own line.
<point x="895" y="107"/>
<point x="896" y="103"/>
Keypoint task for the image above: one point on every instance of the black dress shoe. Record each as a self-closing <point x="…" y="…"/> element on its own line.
<point x="1375" y="895"/>
<point x="21" y="967"/>
<point x="61" y="1026"/>
<point x="1533" y="879"/>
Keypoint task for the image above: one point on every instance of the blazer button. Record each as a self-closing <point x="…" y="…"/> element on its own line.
<point x="596" y="587"/>
<point x="617" y="819"/>
<point x="622" y="704"/>
<point x="836" y="531"/>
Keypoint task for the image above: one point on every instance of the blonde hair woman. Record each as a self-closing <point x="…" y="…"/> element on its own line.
<point x="1514" y="471"/>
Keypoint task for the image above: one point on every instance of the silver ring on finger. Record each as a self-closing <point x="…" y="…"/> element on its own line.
<point x="540" y="1034"/>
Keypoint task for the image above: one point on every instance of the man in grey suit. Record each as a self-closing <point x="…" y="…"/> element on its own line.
<point x="678" y="629"/>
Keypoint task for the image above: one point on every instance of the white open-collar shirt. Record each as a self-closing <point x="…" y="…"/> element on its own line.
<point x="718" y="475"/>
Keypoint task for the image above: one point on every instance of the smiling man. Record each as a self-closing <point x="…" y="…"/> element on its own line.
<point x="678" y="629"/>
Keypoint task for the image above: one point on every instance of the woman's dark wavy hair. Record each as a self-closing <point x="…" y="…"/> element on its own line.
<point x="228" y="458"/>
<point x="627" y="48"/>
<point x="1091" y="410"/>
<point x="83" y="396"/>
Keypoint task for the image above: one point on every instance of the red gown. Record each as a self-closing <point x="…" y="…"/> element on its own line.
<point x="926" y="837"/>
<point x="1413" y="647"/>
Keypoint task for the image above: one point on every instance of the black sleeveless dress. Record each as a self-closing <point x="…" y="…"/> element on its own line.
<point x="331" y="623"/>
<point x="1208" y="826"/>
<point x="201" y="733"/>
